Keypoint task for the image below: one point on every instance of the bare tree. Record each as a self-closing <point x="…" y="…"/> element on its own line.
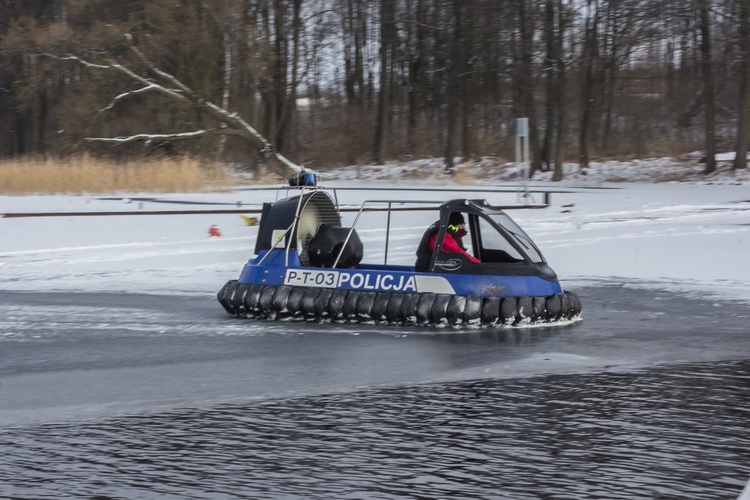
<point x="165" y="84"/>
<point x="454" y="86"/>
<point x="615" y="76"/>
<point x="525" y="80"/>
<point x="469" y="77"/>
<point x="590" y="69"/>
<point x="282" y="52"/>
<point x="354" y="34"/>
<point x="561" y="92"/>
<point x="416" y="60"/>
<point x="550" y="83"/>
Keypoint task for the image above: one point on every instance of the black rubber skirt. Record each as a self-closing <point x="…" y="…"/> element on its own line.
<point x="425" y="309"/>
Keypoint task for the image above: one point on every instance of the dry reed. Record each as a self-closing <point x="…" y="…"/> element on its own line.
<point x="86" y="174"/>
<point x="466" y="175"/>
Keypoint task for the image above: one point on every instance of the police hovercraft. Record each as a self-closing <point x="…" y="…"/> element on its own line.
<point x="309" y="267"/>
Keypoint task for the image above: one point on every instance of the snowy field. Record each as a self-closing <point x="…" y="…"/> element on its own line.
<point x="692" y="235"/>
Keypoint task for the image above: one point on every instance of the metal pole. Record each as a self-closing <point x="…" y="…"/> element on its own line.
<point x="522" y="156"/>
<point x="387" y="233"/>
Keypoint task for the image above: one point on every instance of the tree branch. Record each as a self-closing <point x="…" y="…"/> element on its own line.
<point x="176" y="136"/>
<point x="122" y="96"/>
<point x="235" y="125"/>
<point x="174" y="94"/>
<point x="153" y="67"/>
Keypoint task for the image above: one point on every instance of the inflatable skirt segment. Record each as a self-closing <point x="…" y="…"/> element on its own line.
<point x="295" y="303"/>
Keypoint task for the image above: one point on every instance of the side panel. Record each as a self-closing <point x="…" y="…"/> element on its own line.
<point x="397" y="280"/>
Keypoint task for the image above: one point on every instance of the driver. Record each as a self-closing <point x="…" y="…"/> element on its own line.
<point x="452" y="242"/>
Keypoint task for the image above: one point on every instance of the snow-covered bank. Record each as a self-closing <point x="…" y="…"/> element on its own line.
<point x="692" y="236"/>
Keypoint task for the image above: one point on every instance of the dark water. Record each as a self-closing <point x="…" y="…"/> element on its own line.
<point x="142" y="397"/>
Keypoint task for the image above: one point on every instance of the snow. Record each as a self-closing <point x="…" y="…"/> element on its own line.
<point x="613" y="226"/>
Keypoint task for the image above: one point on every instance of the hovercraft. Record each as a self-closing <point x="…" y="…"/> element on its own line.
<point x="309" y="268"/>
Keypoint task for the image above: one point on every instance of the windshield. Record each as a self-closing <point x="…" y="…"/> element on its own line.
<point x="516" y="232"/>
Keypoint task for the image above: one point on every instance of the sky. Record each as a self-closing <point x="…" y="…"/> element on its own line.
<point x="615" y="225"/>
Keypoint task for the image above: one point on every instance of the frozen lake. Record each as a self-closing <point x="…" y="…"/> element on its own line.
<point x="134" y="396"/>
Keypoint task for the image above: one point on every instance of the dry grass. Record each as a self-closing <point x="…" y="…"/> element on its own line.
<point x="85" y="174"/>
<point x="467" y="175"/>
<point x="675" y="176"/>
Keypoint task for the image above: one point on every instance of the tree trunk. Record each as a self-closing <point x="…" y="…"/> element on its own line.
<point x="609" y="75"/>
<point x="383" y="118"/>
<point x="280" y="75"/>
<point x="416" y="88"/>
<point x="226" y="91"/>
<point x="549" y="65"/>
<point x="560" y="95"/>
<point x="349" y="50"/>
<point x="526" y="83"/>
<point x="354" y="35"/>
<point x="453" y="88"/>
<point x="268" y="87"/>
<point x="450" y="139"/>
<point x="288" y="96"/>
<point x="466" y="81"/>
<point x="740" y="159"/>
<point x="708" y="87"/>
<point x="588" y="97"/>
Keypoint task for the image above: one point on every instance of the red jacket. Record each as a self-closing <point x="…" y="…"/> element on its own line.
<point x="450" y="245"/>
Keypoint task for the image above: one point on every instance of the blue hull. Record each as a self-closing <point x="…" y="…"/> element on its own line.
<point x="276" y="270"/>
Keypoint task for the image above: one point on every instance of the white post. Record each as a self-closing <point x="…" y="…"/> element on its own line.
<point x="522" y="156"/>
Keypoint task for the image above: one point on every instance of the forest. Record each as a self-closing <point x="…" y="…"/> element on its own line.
<point x="343" y="82"/>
